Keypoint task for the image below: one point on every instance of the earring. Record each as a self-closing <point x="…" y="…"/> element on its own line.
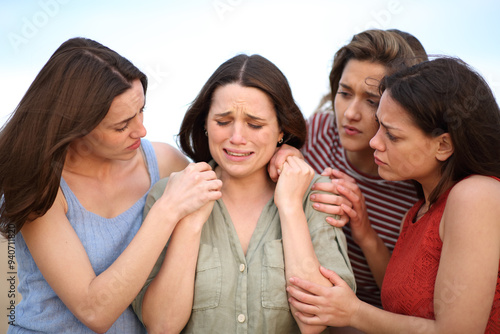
<point x="206" y="133"/>
<point x="280" y="141"/>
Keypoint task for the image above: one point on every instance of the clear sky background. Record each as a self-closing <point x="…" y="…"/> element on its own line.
<point x="179" y="43"/>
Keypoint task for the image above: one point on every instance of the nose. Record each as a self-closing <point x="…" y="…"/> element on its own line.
<point x="139" y="130"/>
<point x="238" y="135"/>
<point x="353" y="111"/>
<point x="376" y="143"/>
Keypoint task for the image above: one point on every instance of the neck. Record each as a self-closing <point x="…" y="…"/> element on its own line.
<point x="257" y="186"/>
<point x="96" y="167"/>
<point x="363" y="161"/>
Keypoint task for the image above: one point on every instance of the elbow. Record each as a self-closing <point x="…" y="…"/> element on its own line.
<point x="95" y="322"/>
<point x="312" y="329"/>
<point x="99" y="327"/>
<point x="164" y="329"/>
<point x="166" y="324"/>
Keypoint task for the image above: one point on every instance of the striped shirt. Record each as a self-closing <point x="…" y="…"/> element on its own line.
<point x="386" y="201"/>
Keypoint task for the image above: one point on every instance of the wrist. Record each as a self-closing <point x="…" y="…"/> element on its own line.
<point x="368" y="241"/>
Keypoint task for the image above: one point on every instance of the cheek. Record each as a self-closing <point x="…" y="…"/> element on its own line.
<point x="338" y="109"/>
<point x="409" y="161"/>
<point x="371" y="127"/>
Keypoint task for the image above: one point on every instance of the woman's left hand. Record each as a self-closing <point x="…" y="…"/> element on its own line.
<point x="293" y="182"/>
<point x="318" y="305"/>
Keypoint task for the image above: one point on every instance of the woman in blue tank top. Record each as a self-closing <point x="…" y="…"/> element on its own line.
<point x="73" y="191"/>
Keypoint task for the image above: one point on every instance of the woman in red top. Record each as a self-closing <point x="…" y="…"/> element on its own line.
<point x="439" y="125"/>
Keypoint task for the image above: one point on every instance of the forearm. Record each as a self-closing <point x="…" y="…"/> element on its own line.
<point x="168" y="301"/>
<point x="373" y="320"/>
<point x="300" y="257"/>
<point x="377" y="256"/>
<point x="111" y="292"/>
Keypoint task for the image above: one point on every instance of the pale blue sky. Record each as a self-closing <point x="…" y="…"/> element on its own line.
<point x="179" y="43"/>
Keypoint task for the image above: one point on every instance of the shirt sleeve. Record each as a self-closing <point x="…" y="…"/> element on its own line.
<point x="329" y="242"/>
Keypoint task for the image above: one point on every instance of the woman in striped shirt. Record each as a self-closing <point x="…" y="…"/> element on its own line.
<point x="338" y="146"/>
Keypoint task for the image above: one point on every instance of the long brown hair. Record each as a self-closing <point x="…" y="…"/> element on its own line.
<point x="249" y="71"/>
<point x="389" y="48"/>
<point x="68" y="98"/>
<point x="446" y="95"/>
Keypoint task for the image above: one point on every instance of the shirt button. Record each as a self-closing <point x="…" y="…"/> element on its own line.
<point x="241" y="318"/>
<point x="242" y="267"/>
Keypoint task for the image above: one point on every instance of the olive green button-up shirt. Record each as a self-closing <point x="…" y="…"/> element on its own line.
<point x="236" y="293"/>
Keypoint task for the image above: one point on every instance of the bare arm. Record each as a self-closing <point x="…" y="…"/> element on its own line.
<point x="465" y="283"/>
<point x="168" y="300"/>
<point x="98" y="301"/>
<point x="300" y="257"/>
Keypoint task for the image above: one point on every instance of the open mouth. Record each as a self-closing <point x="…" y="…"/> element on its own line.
<point x="237" y="154"/>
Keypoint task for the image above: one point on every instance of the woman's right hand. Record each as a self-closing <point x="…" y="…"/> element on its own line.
<point x="352" y="204"/>
<point x="190" y="189"/>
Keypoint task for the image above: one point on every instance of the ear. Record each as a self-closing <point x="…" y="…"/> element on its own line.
<point x="445" y="147"/>
<point x="281" y="136"/>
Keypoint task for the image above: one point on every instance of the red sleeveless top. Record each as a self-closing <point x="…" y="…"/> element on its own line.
<point x="408" y="286"/>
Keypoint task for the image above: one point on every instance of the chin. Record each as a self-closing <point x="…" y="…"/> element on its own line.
<point x="387" y="175"/>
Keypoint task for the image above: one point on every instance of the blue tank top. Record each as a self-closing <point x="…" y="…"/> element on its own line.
<point x="40" y="309"/>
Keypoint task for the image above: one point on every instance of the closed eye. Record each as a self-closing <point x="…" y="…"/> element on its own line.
<point x="255" y="126"/>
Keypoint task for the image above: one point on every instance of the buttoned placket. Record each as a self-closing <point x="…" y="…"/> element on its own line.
<point x="241" y="299"/>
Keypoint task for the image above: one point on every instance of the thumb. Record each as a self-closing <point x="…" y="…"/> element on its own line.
<point x="327" y="172"/>
<point x="332" y="276"/>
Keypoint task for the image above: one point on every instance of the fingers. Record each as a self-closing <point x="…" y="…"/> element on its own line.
<point x="341" y="222"/>
<point x="304" y="317"/>
<point x="335" y="173"/>
<point x="310" y="290"/>
<point x="332" y="276"/>
<point x="301" y="306"/>
<point x="329" y="197"/>
<point x="273" y="167"/>
<point x="192" y="188"/>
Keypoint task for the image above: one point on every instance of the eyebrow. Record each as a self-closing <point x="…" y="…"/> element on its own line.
<point x="128" y="119"/>
<point x="371" y="94"/>
<point x="389" y="127"/>
<point x="227" y="113"/>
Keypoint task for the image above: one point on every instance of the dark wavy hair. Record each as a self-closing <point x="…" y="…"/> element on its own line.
<point x="68" y="98"/>
<point x="445" y="95"/>
<point x="249" y="71"/>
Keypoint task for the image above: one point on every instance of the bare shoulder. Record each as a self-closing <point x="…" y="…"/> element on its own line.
<point x="477" y="188"/>
<point x="169" y="158"/>
<point x="475" y="199"/>
<point x="51" y="222"/>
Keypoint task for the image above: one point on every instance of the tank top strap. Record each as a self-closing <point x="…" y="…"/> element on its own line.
<point x="150" y="159"/>
<point x="151" y="164"/>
